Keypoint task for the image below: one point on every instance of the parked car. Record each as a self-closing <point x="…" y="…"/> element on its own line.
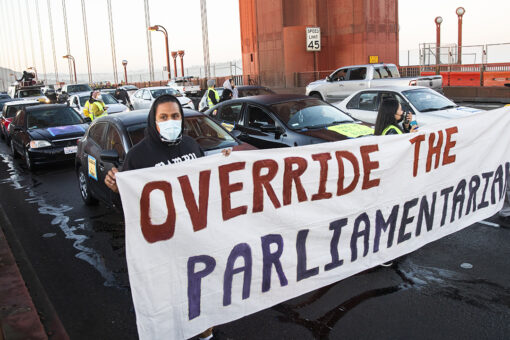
<point x="78" y="100"/>
<point x="9" y="111"/>
<point x="46" y="134"/>
<point x="185" y="86"/>
<point x="31" y="92"/>
<point x="346" y="80"/>
<point x="75" y="88"/>
<point x="109" y="138"/>
<point x="426" y="105"/>
<point x="143" y="98"/>
<point x="275" y="121"/>
<point x="243" y="91"/>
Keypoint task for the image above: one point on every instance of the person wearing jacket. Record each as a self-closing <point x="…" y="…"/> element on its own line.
<point x="164" y="143"/>
<point x="389" y="115"/>
<point x="122" y="96"/>
<point x="95" y="107"/>
<point x="226" y="95"/>
<point x="229" y="84"/>
<point x="213" y="97"/>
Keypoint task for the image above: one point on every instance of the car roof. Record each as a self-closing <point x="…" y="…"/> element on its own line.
<point x="22" y="102"/>
<point x="394" y="88"/>
<point x="155" y="88"/>
<point x="270" y="99"/>
<point x="45" y="107"/>
<point x="367" y="65"/>
<point x="140" y="116"/>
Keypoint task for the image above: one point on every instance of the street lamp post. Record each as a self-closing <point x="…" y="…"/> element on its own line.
<point x="438" y="21"/>
<point x="174" y="55"/>
<point x="460" y="13"/>
<point x="181" y="55"/>
<point x="124" y="63"/>
<point x="162" y="29"/>
<point x="68" y="56"/>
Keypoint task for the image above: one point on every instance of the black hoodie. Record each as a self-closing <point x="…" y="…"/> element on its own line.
<point x="154" y="151"/>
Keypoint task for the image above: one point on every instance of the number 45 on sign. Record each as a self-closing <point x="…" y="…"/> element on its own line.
<point x="313" y="39"/>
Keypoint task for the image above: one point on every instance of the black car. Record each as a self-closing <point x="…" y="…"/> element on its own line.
<point x="109" y="138"/>
<point x="46" y="134"/>
<point x="242" y="91"/>
<point x="274" y="121"/>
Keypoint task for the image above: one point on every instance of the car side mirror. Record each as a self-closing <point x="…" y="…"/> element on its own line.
<point x="270" y="128"/>
<point x="328" y="78"/>
<point x="110" y="156"/>
<point x="235" y="133"/>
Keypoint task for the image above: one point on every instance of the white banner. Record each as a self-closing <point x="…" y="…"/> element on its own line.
<point x="214" y="239"/>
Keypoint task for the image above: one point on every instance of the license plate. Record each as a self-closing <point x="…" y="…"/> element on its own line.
<point x="70" y="149"/>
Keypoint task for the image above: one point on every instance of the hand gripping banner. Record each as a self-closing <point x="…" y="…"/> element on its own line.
<point x="214" y="239"/>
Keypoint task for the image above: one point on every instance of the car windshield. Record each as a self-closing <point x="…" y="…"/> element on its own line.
<point x="427" y="100"/>
<point x="12" y="110"/>
<point x="30" y="93"/>
<point x="108" y="99"/>
<point x="78" y="88"/>
<point x="254" y="92"/>
<point x="159" y="92"/>
<point x="309" y="113"/>
<point x="51" y="117"/>
<point x="207" y="133"/>
<point x="83" y="100"/>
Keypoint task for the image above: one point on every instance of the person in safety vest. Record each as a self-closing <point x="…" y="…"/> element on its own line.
<point x="95" y="107"/>
<point x="213" y="97"/>
<point x="389" y="116"/>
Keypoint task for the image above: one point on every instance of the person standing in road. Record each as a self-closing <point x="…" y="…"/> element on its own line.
<point x="389" y="116"/>
<point x="122" y="96"/>
<point x="213" y="97"/>
<point x="226" y="95"/>
<point x="229" y="84"/>
<point x="164" y="143"/>
<point x="96" y="107"/>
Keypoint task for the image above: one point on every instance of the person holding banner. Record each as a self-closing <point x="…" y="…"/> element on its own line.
<point x="163" y="144"/>
<point x="389" y="116"/>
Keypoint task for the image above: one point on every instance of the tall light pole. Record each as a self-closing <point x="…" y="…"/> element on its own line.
<point x="86" y="34"/>
<point x="460" y="13"/>
<point x="174" y="55"/>
<point x="438" y="21"/>
<point x="70" y="57"/>
<point x="40" y="40"/>
<point x="68" y="47"/>
<point x="149" y="39"/>
<point x="181" y="55"/>
<point x="205" y="38"/>
<point x="160" y="28"/>
<point x="52" y="42"/>
<point x="124" y="63"/>
<point x="112" y="42"/>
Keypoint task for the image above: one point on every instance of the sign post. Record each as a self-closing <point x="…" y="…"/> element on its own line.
<point x="313" y="44"/>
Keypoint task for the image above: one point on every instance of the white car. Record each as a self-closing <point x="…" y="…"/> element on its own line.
<point x="425" y="104"/>
<point x="77" y="102"/>
<point x="143" y="98"/>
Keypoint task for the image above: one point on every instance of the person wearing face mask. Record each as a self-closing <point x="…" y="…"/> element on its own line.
<point x="164" y="143"/>
<point x="388" y="118"/>
<point x="96" y="107"/>
<point x="229" y="84"/>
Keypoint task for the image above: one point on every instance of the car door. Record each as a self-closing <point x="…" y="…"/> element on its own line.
<point x="253" y="127"/>
<point x="16" y="132"/>
<point x="228" y="115"/>
<point x="355" y="81"/>
<point x="364" y="106"/>
<point x="135" y="100"/>
<point x="334" y="87"/>
<point x="95" y="143"/>
<point x="113" y="141"/>
<point x="146" y="101"/>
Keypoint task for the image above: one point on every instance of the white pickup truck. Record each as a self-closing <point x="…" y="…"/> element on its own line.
<point x="185" y="86"/>
<point x="346" y="80"/>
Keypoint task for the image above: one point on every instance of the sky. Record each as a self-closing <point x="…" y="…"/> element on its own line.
<point x="483" y="24"/>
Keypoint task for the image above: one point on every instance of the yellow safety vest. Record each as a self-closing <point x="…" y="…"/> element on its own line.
<point x="216" y="95"/>
<point x="86" y="109"/>
<point x="390" y="127"/>
<point x="97" y="109"/>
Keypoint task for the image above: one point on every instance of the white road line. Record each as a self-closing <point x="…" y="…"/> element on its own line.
<point x="490" y="224"/>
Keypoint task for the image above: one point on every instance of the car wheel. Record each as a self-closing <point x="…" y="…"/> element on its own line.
<point x="28" y="162"/>
<point x="316" y="95"/>
<point x="14" y="154"/>
<point x="83" y="182"/>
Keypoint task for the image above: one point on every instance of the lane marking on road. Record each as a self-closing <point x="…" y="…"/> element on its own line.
<point x="490" y="224"/>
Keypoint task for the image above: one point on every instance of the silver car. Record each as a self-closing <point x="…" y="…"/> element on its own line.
<point x="426" y="105"/>
<point x="143" y="98"/>
<point x="77" y="102"/>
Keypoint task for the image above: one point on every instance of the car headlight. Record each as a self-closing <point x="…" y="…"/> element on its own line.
<point x="35" y="144"/>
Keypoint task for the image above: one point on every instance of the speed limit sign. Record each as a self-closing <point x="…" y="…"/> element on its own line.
<point x="313" y="39"/>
